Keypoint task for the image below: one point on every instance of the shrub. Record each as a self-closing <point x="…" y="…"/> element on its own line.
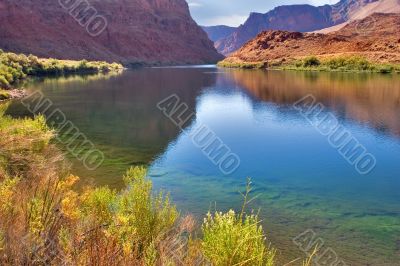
<point x="349" y="63"/>
<point x="385" y="69"/>
<point x="4" y="95"/>
<point x="231" y="240"/>
<point x="298" y="63"/>
<point x="14" y="67"/>
<point x="51" y="224"/>
<point x="235" y="239"/>
<point x="27" y="156"/>
<point x="311" y="61"/>
<point x="83" y="64"/>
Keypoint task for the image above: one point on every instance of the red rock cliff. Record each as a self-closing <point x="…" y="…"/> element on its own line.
<point x="135" y="31"/>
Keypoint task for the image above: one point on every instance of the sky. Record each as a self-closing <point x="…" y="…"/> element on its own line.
<point x="235" y="12"/>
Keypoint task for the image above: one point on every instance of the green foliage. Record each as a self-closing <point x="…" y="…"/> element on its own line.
<point x="235" y="239"/>
<point x="14" y="67"/>
<point x="133" y="226"/>
<point x="7" y="188"/>
<point x="139" y="215"/>
<point x="4" y="95"/>
<point x="349" y="63"/>
<point x="229" y="240"/>
<point x="244" y="65"/>
<point x="30" y="140"/>
<point x="385" y="69"/>
<point x="346" y="64"/>
<point x="83" y="64"/>
<point x="97" y="205"/>
<point x="311" y="61"/>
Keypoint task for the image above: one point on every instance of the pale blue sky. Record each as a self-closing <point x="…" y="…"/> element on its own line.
<point x="235" y="12"/>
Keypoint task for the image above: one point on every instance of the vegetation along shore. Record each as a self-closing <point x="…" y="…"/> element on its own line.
<point x="314" y="63"/>
<point x="52" y="222"/>
<point x="16" y="67"/>
<point x="370" y="44"/>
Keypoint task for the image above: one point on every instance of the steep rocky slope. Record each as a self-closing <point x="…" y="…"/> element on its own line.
<point x="382" y="6"/>
<point x="136" y="31"/>
<point x="216" y="33"/>
<point x="376" y="38"/>
<point x="302" y="18"/>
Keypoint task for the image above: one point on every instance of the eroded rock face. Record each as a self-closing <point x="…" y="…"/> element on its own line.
<point x="376" y="37"/>
<point x="302" y="18"/>
<point x="135" y="31"/>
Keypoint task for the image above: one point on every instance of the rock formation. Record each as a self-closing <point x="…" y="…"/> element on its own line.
<point x="128" y="31"/>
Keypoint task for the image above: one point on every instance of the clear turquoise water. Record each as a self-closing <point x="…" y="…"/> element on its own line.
<point x="300" y="181"/>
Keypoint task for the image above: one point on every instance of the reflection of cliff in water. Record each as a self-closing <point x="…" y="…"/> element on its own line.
<point x="119" y="114"/>
<point x="373" y="99"/>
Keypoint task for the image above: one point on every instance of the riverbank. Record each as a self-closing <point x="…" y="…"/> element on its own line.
<point x="314" y="63"/>
<point x="16" y="67"/>
<point x="52" y="223"/>
<point x="12" y="94"/>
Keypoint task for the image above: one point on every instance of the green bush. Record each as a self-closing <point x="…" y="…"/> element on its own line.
<point x="350" y="63"/>
<point x="244" y="65"/>
<point x="14" y="67"/>
<point x="230" y="239"/>
<point x="4" y="95"/>
<point x="235" y="239"/>
<point x="311" y="61"/>
<point x="94" y="226"/>
<point x="385" y="69"/>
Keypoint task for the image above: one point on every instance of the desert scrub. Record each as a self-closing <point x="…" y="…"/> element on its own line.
<point x="245" y="65"/>
<point x="349" y="63"/>
<point x="311" y="61"/>
<point x="230" y="240"/>
<point x="236" y="239"/>
<point x="314" y="63"/>
<point x="24" y="146"/>
<point x="50" y="223"/>
<point x="341" y="64"/>
<point x="45" y="221"/>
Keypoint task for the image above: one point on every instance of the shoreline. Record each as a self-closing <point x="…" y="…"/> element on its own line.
<point x="7" y="95"/>
<point x="345" y="64"/>
<point x="17" y="67"/>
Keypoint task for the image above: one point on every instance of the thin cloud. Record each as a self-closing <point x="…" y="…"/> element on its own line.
<point x="232" y="20"/>
<point x="194" y="4"/>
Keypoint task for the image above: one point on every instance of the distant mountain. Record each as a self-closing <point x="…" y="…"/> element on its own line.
<point x="382" y="6"/>
<point x="215" y="33"/>
<point x="376" y="37"/>
<point x="135" y="31"/>
<point x="301" y="18"/>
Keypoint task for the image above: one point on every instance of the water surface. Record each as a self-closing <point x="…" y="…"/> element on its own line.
<point x="301" y="181"/>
